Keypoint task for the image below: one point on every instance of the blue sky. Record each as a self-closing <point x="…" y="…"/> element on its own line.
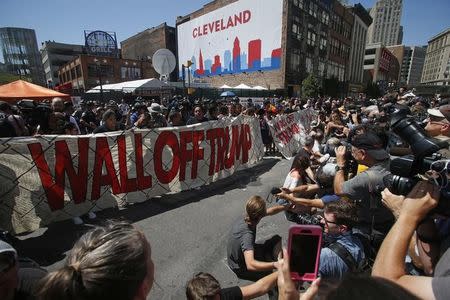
<point x="65" y="20"/>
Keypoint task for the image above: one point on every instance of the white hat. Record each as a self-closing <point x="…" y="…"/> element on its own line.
<point x="155" y="108"/>
<point x="435" y="113"/>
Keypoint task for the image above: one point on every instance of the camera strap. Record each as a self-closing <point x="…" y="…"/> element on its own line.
<point x="345" y="255"/>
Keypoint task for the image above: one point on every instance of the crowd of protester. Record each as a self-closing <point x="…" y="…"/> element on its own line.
<point x="378" y="243"/>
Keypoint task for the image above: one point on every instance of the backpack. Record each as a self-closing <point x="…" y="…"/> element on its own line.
<point x="364" y="267"/>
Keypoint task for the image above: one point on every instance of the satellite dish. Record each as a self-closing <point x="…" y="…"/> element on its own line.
<point x="164" y="63"/>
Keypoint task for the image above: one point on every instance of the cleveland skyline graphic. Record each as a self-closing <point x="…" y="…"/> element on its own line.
<point x="236" y="61"/>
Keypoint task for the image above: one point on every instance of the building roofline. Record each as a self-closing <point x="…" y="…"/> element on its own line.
<point x="163" y="25"/>
<point x="445" y="31"/>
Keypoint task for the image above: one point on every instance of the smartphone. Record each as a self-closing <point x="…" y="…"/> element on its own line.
<point x="304" y="246"/>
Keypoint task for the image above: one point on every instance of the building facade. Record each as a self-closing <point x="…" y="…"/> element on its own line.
<point x="305" y="46"/>
<point x="87" y="71"/>
<point x="20" y="53"/>
<point x="436" y="68"/>
<point x="340" y="41"/>
<point x="411" y="61"/>
<point x="54" y="56"/>
<point x="355" y="69"/>
<point x="143" y="45"/>
<point x="385" y="29"/>
<point x="381" y="67"/>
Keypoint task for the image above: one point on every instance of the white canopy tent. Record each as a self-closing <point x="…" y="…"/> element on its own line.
<point x="131" y="86"/>
<point x="259" y="88"/>
<point x="242" y="87"/>
<point x="225" y="87"/>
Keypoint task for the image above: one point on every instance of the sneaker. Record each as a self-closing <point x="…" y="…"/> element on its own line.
<point x="77" y="220"/>
<point x="92" y="215"/>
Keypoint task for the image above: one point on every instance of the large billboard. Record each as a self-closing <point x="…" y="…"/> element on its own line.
<point x="244" y="36"/>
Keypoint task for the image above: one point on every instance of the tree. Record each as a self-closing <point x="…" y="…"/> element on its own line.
<point x="310" y="86"/>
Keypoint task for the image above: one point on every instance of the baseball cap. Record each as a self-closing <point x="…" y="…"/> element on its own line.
<point x="372" y="144"/>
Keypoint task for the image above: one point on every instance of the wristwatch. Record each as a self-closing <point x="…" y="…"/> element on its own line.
<point x="339" y="168"/>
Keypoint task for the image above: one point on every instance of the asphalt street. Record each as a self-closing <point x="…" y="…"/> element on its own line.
<point x="188" y="231"/>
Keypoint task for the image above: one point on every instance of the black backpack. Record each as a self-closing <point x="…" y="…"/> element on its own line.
<point x="346" y="256"/>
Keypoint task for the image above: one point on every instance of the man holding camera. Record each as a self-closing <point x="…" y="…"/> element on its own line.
<point x="374" y="219"/>
<point x="390" y="261"/>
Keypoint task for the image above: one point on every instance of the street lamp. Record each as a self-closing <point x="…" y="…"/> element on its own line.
<point x="99" y="74"/>
<point x="446" y="73"/>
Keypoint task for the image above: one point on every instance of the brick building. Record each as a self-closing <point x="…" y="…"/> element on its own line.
<point x="143" y="45"/>
<point x="87" y="71"/>
<point x="341" y="26"/>
<point x="304" y="45"/>
<point x="381" y="66"/>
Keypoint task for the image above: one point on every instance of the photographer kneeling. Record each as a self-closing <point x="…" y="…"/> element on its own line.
<point x="390" y="261"/>
<point x="374" y="219"/>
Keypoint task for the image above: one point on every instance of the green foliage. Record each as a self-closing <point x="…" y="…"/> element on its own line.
<point x="310" y="86"/>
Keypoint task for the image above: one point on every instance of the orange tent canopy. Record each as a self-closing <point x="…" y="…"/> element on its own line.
<point x="20" y="89"/>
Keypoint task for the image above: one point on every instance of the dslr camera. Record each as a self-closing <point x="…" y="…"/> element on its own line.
<point x="425" y="157"/>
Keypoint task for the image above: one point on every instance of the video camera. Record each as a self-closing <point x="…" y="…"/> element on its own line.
<point x="425" y="157"/>
<point x="34" y="114"/>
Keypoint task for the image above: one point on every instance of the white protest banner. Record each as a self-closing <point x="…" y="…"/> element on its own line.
<point x="50" y="178"/>
<point x="288" y="131"/>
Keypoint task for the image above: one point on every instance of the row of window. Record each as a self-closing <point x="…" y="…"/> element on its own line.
<point x="105" y="71"/>
<point x="339" y="49"/>
<point x="339" y="25"/>
<point x="70" y="75"/>
<point x="333" y="69"/>
<point x="313" y="9"/>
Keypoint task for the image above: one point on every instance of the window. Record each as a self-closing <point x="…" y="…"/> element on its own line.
<point x="295" y="60"/>
<point x="130" y="73"/>
<point x="296" y="31"/>
<point x="309" y="65"/>
<point x="323" y="44"/>
<point x="298" y="3"/>
<point x="325" y="18"/>
<point x="72" y="74"/>
<point x="311" y="38"/>
<point x="313" y="9"/>
<point x="78" y="70"/>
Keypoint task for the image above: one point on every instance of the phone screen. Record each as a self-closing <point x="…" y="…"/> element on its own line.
<point x="303" y="253"/>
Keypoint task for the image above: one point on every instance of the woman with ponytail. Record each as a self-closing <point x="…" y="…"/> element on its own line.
<point x="109" y="262"/>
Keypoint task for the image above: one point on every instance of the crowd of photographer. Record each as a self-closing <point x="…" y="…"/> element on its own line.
<point x="371" y="179"/>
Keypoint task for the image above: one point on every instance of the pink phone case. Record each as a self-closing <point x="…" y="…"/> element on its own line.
<point x="306" y="230"/>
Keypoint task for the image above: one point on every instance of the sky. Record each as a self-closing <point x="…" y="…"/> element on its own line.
<point x="65" y="20"/>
